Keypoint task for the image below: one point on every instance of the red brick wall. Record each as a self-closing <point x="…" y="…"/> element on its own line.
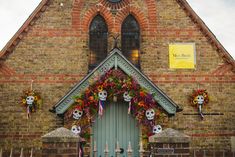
<point x="54" y="52"/>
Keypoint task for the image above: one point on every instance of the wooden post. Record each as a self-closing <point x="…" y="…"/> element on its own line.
<point x="204" y="153"/>
<point x="129" y="150"/>
<point x="118" y="151"/>
<point x="106" y="151"/>
<point x="95" y="149"/>
<point x="22" y="152"/>
<point x="141" y="149"/>
<point x="11" y="152"/>
<point x="1" y="152"/>
<point x="31" y="153"/>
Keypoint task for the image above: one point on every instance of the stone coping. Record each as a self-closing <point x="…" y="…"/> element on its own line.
<point x="169" y="136"/>
<point x="60" y="135"/>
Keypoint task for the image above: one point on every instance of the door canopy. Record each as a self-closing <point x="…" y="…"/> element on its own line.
<point x="115" y="77"/>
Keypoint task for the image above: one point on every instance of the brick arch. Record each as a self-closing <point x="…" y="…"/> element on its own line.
<point x="115" y="6"/>
<point x="77" y="7"/>
<point x="136" y="12"/>
<point x="152" y="13"/>
<point x="92" y="12"/>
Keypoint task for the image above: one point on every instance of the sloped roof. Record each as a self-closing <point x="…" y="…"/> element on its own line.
<point x="8" y="49"/>
<point x="207" y="32"/>
<point x="117" y="60"/>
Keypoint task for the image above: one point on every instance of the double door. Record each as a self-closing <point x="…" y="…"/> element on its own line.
<point x="116" y="125"/>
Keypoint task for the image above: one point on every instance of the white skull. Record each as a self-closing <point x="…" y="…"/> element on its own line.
<point x="127" y="97"/>
<point x="30" y="100"/>
<point x="150" y="114"/>
<point x="157" y="129"/>
<point x="77" y="114"/>
<point x="200" y="99"/>
<point x="102" y="95"/>
<point x="76" y="129"/>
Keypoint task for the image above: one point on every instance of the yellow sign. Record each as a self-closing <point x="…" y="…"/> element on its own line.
<point x="182" y="56"/>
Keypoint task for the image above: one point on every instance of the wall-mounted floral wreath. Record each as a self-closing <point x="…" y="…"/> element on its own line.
<point x="31" y="100"/>
<point x="114" y="84"/>
<point x="199" y="98"/>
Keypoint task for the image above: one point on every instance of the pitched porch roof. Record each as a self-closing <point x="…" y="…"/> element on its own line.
<point x="116" y="60"/>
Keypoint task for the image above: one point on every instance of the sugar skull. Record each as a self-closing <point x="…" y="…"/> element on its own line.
<point x="127" y="97"/>
<point x="200" y="99"/>
<point x="150" y="113"/>
<point x="76" y="129"/>
<point x="77" y="114"/>
<point x="103" y="95"/>
<point x="157" y="129"/>
<point x="30" y="100"/>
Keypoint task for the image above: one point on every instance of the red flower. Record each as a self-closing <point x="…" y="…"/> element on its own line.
<point x="79" y="108"/>
<point x="142" y="94"/>
<point x="91" y="98"/>
<point x="141" y="104"/>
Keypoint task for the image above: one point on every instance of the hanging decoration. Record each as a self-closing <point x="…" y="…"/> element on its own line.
<point x="31" y="100"/>
<point x="101" y="107"/>
<point x="157" y="129"/>
<point x="77" y="114"/>
<point x="114" y="83"/>
<point x="102" y="97"/>
<point x="127" y="98"/>
<point x="76" y="129"/>
<point x="150" y="113"/>
<point x="199" y="98"/>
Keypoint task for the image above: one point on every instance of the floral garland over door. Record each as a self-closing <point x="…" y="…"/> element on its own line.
<point x="114" y="84"/>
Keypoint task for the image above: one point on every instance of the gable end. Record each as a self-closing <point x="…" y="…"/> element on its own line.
<point x="8" y="49"/>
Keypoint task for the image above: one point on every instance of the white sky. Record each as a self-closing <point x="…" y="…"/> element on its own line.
<point x="219" y="16"/>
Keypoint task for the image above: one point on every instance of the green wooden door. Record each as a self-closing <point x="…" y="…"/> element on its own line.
<point x="116" y="125"/>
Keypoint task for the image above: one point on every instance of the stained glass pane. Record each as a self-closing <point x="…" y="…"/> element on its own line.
<point x="131" y="39"/>
<point x="98" y="41"/>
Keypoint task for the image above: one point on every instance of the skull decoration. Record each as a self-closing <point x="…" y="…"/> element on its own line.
<point x="102" y="95"/>
<point x="127" y="97"/>
<point x="157" y="129"/>
<point x="150" y="113"/>
<point x="76" y="129"/>
<point x="200" y="99"/>
<point x="77" y="114"/>
<point x="30" y="100"/>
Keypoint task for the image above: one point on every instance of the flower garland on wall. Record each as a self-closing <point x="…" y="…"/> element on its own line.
<point x="31" y="100"/>
<point x="198" y="99"/>
<point x="114" y="84"/>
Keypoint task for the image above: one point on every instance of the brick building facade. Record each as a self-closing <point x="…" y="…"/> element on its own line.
<point x="52" y="48"/>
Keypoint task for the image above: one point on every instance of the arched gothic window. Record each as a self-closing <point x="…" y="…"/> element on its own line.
<point x="98" y="41"/>
<point x="131" y="39"/>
